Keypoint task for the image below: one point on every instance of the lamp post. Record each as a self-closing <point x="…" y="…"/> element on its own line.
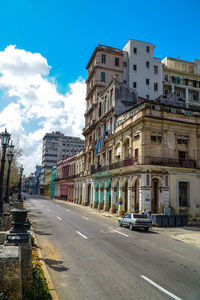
<point x="5" y="138"/>
<point x="20" y="183"/>
<point x="10" y="157"/>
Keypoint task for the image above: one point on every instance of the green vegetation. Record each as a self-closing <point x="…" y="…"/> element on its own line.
<point x="39" y="289"/>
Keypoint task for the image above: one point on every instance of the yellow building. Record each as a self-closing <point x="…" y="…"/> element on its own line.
<point x="47" y="183"/>
<point x="182" y="78"/>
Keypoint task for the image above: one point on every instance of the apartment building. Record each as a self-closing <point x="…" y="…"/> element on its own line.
<point x="143" y="71"/>
<point x="182" y="78"/>
<point x="57" y="146"/>
<point x="104" y="64"/>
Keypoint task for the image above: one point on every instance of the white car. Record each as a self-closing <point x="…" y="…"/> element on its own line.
<point x="135" y="221"/>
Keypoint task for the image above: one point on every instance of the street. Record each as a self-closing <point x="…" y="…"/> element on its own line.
<point x="89" y="256"/>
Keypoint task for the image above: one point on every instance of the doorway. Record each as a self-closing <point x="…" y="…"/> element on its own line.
<point x="155" y="195"/>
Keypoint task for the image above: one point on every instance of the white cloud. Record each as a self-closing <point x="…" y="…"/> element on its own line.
<point x="24" y="76"/>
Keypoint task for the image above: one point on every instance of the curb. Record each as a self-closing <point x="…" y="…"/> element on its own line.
<point x="44" y="268"/>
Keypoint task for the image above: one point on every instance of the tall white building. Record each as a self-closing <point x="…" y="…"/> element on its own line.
<point x="142" y="71"/>
<point x="57" y="146"/>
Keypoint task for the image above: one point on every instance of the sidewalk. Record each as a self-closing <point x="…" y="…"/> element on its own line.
<point x="187" y="234"/>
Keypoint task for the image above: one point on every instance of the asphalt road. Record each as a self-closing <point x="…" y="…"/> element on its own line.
<point x="89" y="257"/>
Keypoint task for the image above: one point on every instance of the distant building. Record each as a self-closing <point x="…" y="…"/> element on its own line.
<point x="57" y="146"/>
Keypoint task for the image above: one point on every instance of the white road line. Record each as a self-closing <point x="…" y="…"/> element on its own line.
<point x="85" y="237"/>
<point x="119" y="232"/>
<point x="48" y="210"/>
<point x="84" y="217"/>
<point x="160" y="288"/>
<point x="59" y="218"/>
<point x="67" y="209"/>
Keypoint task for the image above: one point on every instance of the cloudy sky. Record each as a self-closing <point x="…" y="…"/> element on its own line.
<point x="46" y="44"/>
<point x="31" y="105"/>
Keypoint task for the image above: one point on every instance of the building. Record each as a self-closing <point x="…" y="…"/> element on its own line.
<point x="104" y="64"/>
<point x="47" y="183"/>
<point x="143" y="71"/>
<point x="182" y="78"/>
<point x="155" y="161"/>
<point x="37" y="179"/>
<point x="58" y="178"/>
<point x="52" y="182"/>
<point x="57" y="146"/>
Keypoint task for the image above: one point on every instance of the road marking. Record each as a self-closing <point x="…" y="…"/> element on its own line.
<point x="48" y="210"/>
<point x="119" y="232"/>
<point x="67" y="209"/>
<point x="59" y="218"/>
<point x="84" y="217"/>
<point x="85" y="237"/>
<point x="160" y="288"/>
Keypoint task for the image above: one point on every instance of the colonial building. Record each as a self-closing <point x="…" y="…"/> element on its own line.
<point x="155" y="161"/>
<point x="104" y="64"/>
<point x="182" y="78"/>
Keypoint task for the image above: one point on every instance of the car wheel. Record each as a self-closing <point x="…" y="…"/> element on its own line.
<point x="131" y="226"/>
<point x="120" y="223"/>
<point x="146" y="229"/>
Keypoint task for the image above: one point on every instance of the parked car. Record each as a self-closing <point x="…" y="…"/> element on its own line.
<point x="135" y="221"/>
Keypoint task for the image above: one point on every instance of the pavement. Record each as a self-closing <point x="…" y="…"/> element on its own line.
<point x="187" y="234"/>
<point x="88" y="256"/>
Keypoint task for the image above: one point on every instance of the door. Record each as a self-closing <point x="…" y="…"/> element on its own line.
<point x="154" y="198"/>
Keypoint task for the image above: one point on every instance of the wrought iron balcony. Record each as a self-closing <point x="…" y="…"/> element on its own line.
<point x="147" y="160"/>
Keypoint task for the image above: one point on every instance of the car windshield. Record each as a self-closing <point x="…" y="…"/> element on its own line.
<point x="138" y="216"/>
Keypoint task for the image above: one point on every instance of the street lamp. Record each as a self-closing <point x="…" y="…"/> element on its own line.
<point x="20" y="183"/>
<point x="5" y="138"/>
<point x="10" y="157"/>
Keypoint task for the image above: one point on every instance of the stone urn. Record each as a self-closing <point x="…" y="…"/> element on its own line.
<point x="19" y="217"/>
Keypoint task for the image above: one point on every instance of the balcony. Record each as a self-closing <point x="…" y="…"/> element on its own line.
<point x="169" y="162"/>
<point x="147" y="160"/>
<point x="119" y="164"/>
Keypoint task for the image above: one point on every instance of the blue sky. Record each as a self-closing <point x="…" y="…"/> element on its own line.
<point x="64" y="34"/>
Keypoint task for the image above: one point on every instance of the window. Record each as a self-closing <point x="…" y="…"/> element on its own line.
<point x="103" y="76"/>
<point x="147" y="81"/>
<point x="136" y="154"/>
<point x="155" y="69"/>
<point x="147" y="49"/>
<point x="148" y="179"/>
<point x="155" y="86"/>
<point x="125" y="64"/>
<point x="117" y="61"/>
<point x="136" y="137"/>
<point x="182" y="140"/>
<point x="147" y="97"/>
<point x="156" y="138"/>
<point x="183" y="193"/>
<point x="103" y="58"/>
<point x="166" y="92"/>
<point x="147" y="64"/>
<point x="181" y="155"/>
<point x="135" y="67"/>
<point x="135" y="50"/>
<point x="134" y="84"/>
<point x="110" y="156"/>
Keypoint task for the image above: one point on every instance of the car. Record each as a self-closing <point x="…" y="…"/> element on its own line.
<point x="134" y="220"/>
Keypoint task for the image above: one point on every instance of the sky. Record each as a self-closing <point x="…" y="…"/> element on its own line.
<point x="46" y="44"/>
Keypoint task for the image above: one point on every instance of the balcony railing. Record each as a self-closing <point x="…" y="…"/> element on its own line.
<point x="170" y="162"/>
<point x="147" y="160"/>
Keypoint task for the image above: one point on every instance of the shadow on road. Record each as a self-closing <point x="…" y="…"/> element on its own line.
<point x="56" y="265"/>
